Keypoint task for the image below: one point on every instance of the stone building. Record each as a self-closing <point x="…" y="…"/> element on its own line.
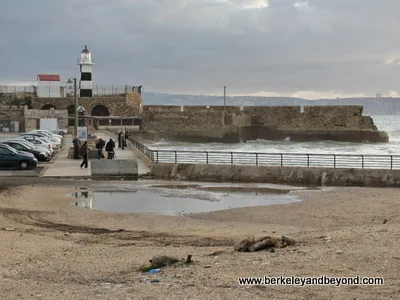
<point x="22" y="119"/>
<point x="115" y="110"/>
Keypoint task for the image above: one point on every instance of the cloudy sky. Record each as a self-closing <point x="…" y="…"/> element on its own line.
<point x="314" y="48"/>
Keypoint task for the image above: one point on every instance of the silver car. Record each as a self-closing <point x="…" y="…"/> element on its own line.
<point x="37" y="142"/>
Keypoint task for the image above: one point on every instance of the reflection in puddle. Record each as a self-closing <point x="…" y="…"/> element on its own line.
<point x="85" y="199"/>
<point x="175" y="202"/>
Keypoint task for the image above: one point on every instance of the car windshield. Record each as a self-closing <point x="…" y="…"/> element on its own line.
<point x="44" y="133"/>
<point x="20" y="143"/>
<point x="22" y="140"/>
<point x="26" y="145"/>
<point x="37" y="138"/>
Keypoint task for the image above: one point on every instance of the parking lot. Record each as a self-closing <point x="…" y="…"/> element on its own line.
<point x="42" y="152"/>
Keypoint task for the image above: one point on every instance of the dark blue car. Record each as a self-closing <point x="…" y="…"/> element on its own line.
<point x="13" y="159"/>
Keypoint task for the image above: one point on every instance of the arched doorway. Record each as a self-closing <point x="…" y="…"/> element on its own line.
<point x="71" y="116"/>
<point x="48" y="106"/>
<point x="4" y="122"/>
<point x="100" y="111"/>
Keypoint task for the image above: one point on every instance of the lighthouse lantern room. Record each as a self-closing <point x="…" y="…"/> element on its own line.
<point x="85" y="62"/>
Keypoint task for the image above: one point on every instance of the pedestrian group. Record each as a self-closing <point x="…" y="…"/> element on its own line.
<point x="83" y="150"/>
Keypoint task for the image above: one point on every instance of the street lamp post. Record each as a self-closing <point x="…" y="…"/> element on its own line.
<point x="224" y="97"/>
<point x="224" y="103"/>
<point x="76" y="105"/>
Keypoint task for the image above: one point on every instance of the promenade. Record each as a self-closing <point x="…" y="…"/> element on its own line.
<point x="66" y="167"/>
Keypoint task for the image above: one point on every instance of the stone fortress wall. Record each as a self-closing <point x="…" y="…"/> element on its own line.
<point x="189" y="118"/>
<point x="235" y="124"/>
<point x="229" y="123"/>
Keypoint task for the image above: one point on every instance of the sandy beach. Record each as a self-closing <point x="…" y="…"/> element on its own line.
<point x="51" y="249"/>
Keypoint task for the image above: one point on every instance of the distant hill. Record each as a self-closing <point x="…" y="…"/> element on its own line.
<point x="372" y="106"/>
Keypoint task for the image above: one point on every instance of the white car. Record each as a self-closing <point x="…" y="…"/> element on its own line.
<point x="62" y="131"/>
<point x="46" y="135"/>
<point x="37" y="142"/>
<point x="54" y="144"/>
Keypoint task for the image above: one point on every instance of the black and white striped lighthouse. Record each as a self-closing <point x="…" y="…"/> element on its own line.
<point x="85" y="62"/>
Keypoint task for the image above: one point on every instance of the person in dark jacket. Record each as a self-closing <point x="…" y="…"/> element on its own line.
<point x="127" y="135"/>
<point x="84" y="152"/>
<point x="120" y="139"/>
<point x="110" y="149"/>
<point x="77" y="144"/>
<point x="99" y="146"/>
<point x="123" y="142"/>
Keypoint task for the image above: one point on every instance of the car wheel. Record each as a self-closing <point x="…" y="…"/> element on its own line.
<point x="61" y="132"/>
<point x="24" y="165"/>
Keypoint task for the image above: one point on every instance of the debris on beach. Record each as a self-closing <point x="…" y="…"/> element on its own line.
<point x="263" y="243"/>
<point x="160" y="261"/>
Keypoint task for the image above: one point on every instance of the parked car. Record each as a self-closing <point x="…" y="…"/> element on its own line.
<point x="54" y="145"/>
<point x="48" y="134"/>
<point x="11" y="158"/>
<point x="29" y="144"/>
<point x="36" y="141"/>
<point x="21" y="146"/>
<point x="62" y="131"/>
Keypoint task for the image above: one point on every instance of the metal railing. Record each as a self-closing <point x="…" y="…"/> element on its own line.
<point x="12" y="89"/>
<point x="144" y="149"/>
<point x="347" y="161"/>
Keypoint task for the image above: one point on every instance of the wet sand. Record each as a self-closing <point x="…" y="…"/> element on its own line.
<point x="53" y="250"/>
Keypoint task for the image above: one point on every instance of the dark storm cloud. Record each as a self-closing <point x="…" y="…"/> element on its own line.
<point x="280" y="46"/>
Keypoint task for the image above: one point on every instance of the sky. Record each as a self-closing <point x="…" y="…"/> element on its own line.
<point x="301" y="48"/>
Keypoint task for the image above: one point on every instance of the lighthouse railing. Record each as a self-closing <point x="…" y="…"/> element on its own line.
<point x="111" y="90"/>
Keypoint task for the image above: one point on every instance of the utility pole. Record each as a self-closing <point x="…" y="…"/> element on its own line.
<point x="76" y="109"/>
<point x="224" y="106"/>
<point x="224" y="97"/>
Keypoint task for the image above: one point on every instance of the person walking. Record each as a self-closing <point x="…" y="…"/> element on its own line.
<point x="84" y="152"/>
<point x="77" y="145"/>
<point x="110" y="149"/>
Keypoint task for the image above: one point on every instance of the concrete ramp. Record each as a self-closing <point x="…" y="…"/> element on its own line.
<point x="114" y="167"/>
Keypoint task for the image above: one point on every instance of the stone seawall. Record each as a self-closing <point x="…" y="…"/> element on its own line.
<point x="278" y="175"/>
<point x="195" y="118"/>
<point x="234" y="124"/>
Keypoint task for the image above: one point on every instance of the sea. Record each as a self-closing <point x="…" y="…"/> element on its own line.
<point x="388" y="123"/>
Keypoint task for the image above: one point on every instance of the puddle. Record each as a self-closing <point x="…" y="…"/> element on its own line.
<point x="179" y="201"/>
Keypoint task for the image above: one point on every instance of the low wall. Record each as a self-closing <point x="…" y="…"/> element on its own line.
<point x="117" y="167"/>
<point x="280" y="175"/>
